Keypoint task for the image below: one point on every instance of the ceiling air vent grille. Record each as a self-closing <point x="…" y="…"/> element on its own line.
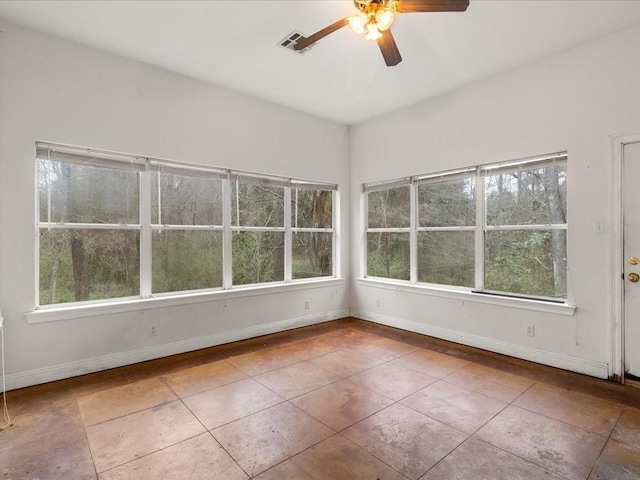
<point x="290" y="40"/>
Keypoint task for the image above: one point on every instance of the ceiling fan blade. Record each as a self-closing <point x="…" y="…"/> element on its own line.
<point x="389" y="49"/>
<point x="311" y="39"/>
<point x="413" y="6"/>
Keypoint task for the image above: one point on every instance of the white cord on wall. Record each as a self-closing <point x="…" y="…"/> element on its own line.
<point x="6" y="418"/>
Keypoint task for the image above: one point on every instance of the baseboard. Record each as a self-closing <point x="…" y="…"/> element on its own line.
<point x="565" y="362"/>
<point x="74" y="369"/>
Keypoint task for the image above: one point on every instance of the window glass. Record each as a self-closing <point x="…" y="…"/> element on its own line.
<point x="258" y="257"/>
<point x="257" y="205"/>
<point x="312" y="254"/>
<point x="528" y="262"/>
<point x="186" y="200"/>
<point x="311" y="208"/>
<point x="388" y="255"/>
<point x="527" y="197"/>
<point x="186" y="260"/>
<point x="447" y="204"/>
<point x="87" y="194"/>
<point x="88" y="264"/>
<point x="447" y="257"/>
<point x="389" y="208"/>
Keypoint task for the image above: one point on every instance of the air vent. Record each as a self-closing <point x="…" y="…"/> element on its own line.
<point x="290" y="40"/>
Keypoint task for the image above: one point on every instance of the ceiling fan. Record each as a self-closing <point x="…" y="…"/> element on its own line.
<point x="375" y="18"/>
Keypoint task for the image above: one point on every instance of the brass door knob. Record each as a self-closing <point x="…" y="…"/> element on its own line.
<point x="633" y="277"/>
<point x="634" y="260"/>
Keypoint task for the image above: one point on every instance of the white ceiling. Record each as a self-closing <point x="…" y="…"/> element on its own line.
<point x="343" y="78"/>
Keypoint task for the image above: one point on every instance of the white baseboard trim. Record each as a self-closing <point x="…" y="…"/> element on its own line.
<point x="565" y="362"/>
<point x="82" y="367"/>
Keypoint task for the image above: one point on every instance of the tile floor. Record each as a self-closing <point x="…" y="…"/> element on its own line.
<point x="342" y="400"/>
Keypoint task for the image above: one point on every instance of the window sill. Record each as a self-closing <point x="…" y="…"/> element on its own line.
<point x="468" y="296"/>
<point x="70" y="312"/>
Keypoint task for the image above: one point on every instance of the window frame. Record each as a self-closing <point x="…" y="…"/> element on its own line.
<point x="146" y="167"/>
<point x="480" y="172"/>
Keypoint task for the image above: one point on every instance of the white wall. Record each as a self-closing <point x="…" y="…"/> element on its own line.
<point x="574" y="101"/>
<point x="59" y="91"/>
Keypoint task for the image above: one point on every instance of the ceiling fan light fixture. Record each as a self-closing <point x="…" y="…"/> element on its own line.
<point x="372" y="32"/>
<point x="384" y="19"/>
<point x="358" y="23"/>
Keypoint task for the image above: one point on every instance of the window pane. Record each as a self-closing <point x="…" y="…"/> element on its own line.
<point x="447" y="204"/>
<point x="389" y="208"/>
<point x="446" y="258"/>
<point x="186" y="200"/>
<point x="311" y="208"/>
<point x="79" y="265"/>
<point x="530" y="197"/>
<point x="85" y="194"/>
<point x="255" y="205"/>
<point x="312" y="254"/>
<point x="186" y="260"/>
<point x="526" y="262"/>
<point x="388" y="255"/>
<point x="258" y="257"/>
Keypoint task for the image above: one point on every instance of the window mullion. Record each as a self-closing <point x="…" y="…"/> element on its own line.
<point x="145" y="235"/>
<point x="481" y="220"/>
<point x="413" y="236"/>
<point x="227" y="274"/>
<point x="288" y="237"/>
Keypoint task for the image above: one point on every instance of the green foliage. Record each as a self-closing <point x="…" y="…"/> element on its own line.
<point x="388" y="255"/>
<point x="186" y="260"/>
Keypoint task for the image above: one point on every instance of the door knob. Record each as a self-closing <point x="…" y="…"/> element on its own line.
<point x="633" y="260"/>
<point x="633" y="277"/>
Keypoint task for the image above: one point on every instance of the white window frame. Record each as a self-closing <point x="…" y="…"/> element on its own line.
<point x="480" y="228"/>
<point x="147" y="166"/>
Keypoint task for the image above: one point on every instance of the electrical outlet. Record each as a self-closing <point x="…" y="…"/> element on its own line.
<point x="377" y="302"/>
<point x="153" y="330"/>
<point x="531" y="331"/>
<point x="307" y="304"/>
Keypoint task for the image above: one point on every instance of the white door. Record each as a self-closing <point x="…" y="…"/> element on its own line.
<point x="631" y="251"/>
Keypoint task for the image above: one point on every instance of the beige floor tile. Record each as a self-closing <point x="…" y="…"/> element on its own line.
<point x="346" y="362"/>
<point x="430" y="363"/>
<point x="385" y="348"/>
<point x="488" y="381"/>
<point x="455" y="406"/>
<point x="392" y="381"/>
<point x="117" y="402"/>
<point x="263" y="361"/>
<point x="348" y="337"/>
<point x="203" y="377"/>
<point x="341" y="404"/>
<point x="230" y="402"/>
<point x="296" y="379"/>
<point x="477" y="460"/>
<point x="617" y="462"/>
<point x="266" y="438"/>
<point x="123" y="439"/>
<point x="199" y="458"/>
<point x="589" y="413"/>
<point x="628" y="428"/>
<point x="333" y="459"/>
<point x="316" y="346"/>
<point x="408" y="441"/>
<point x="561" y="448"/>
<point x="51" y="445"/>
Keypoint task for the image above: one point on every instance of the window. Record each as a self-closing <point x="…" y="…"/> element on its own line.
<point x="117" y="226"/>
<point x="312" y="230"/>
<point x="388" y="230"/>
<point x="497" y="228"/>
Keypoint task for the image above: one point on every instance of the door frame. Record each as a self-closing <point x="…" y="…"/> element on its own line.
<point x="617" y="250"/>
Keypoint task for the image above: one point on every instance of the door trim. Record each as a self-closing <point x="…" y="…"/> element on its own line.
<point x="617" y="244"/>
